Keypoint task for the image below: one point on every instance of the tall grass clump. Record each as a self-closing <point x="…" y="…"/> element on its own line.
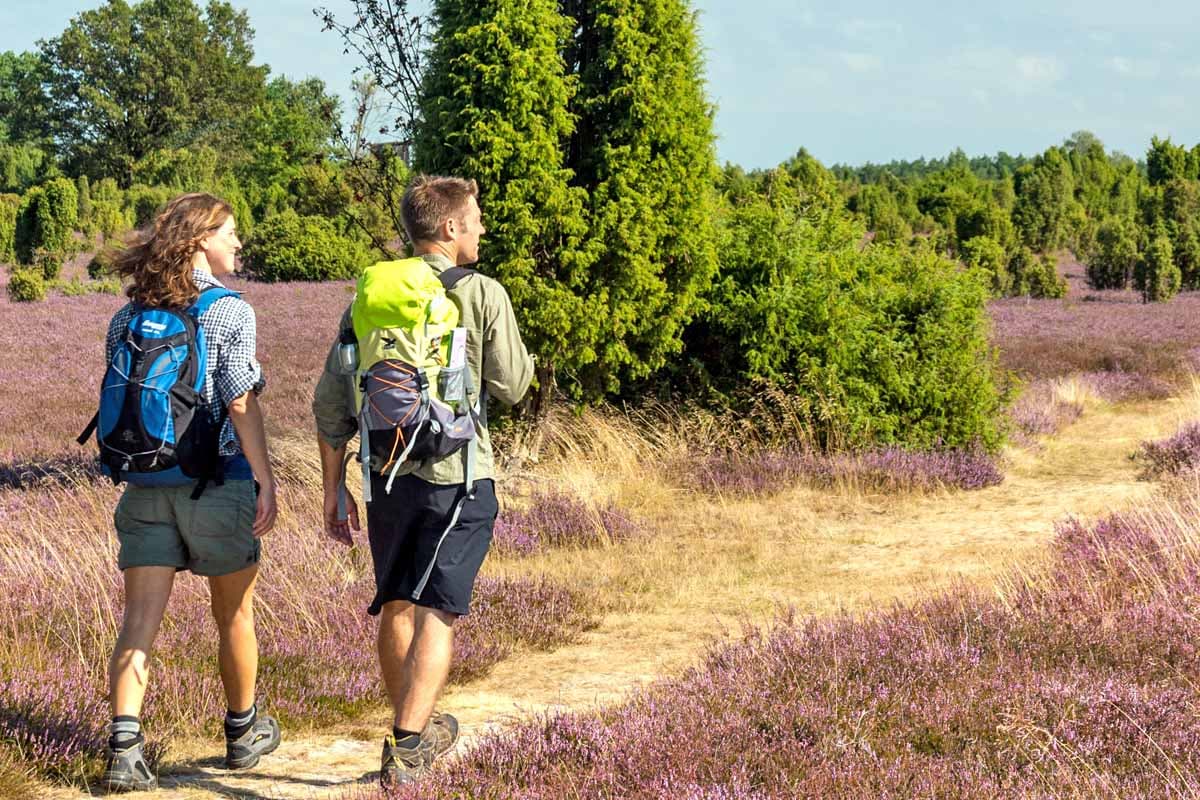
<point x="1077" y="679"/>
<point x="1047" y="405"/>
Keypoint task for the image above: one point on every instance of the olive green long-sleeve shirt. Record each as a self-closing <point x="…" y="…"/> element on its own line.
<point x="496" y="356"/>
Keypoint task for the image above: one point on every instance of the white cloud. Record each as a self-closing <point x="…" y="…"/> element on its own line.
<point x="859" y="62"/>
<point x="1039" y="68"/>
<point x="1134" y="67"/>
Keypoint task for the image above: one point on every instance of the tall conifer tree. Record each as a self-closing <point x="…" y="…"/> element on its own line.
<point x="643" y="150"/>
<point x="587" y="127"/>
<point x="495" y="108"/>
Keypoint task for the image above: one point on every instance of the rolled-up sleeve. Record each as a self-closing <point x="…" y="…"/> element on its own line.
<point x="238" y="370"/>
<point x="333" y="405"/>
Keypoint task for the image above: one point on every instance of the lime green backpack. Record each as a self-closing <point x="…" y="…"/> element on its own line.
<point x="412" y="375"/>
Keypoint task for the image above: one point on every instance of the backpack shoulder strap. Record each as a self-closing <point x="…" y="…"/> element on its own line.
<point x="207" y="297"/>
<point x="451" y="277"/>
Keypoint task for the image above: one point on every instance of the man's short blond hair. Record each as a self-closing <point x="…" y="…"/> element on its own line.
<point x="430" y="200"/>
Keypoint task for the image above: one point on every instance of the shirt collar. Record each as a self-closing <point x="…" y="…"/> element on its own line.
<point x="204" y="279"/>
<point x="438" y="261"/>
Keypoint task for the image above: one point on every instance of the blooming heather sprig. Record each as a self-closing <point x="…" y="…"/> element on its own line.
<point x="1173" y="455"/>
<point x="554" y="519"/>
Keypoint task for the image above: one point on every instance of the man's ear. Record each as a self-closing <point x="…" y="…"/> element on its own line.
<point x="450" y="227"/>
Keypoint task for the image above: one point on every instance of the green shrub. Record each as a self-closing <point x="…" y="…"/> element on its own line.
<point x="108" y="219"/>
<point x="97" y="268"/>
<point x="882" y="345"/>
<point x="319" y="190"/>
<point x="106" y="189"/>
<point x="289" y="247"/>
<point x="1187" y="255"/>
<point x="228" y="190"/>
<point x="1043" y="280"/>
<point x="142" y="203"/>
<point x="83" y="189"/>
<point x="26" y="286"/>
<point x="78" y="288"/>
<point x="9" y="206"/>
<point x="1156" y="275"/>
<point x="1113" y="256"/>
<point x="987" y="254"/>
<point x="269" y="200"/>
<point x="49" y="262"/>
<point x="47" y="219"/>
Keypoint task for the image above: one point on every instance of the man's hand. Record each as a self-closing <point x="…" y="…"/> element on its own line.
<point x="339" y="529"/>
<point x="265" y="509"/>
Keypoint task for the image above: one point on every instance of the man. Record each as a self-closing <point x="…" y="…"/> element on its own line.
<point x="442" y="218"/>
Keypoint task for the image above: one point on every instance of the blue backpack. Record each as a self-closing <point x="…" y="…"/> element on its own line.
<point x="150" y="426"/>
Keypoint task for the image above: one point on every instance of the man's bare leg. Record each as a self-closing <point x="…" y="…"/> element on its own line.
<point x="416" y="645"/>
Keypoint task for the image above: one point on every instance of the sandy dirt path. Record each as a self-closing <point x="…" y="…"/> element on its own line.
<point x="724" y="564"/>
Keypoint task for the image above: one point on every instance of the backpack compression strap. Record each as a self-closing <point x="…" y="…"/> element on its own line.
<point x="451" y="277"/>
<point x="208" y="296"/>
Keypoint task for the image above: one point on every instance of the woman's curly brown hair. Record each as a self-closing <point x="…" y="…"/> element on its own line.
<point x="157" y="259"/>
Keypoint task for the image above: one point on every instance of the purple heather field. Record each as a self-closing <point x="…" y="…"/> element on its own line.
<point x="44" y="409"/>
<point x="1079" y="682"/>
<point x="1097" y="331"/>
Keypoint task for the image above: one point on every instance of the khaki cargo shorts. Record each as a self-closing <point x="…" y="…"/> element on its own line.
<point x="164" y="527"/>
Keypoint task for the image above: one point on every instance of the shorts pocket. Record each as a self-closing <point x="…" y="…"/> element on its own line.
<point x="223" y="512"/>
<point x="220" y="537"/>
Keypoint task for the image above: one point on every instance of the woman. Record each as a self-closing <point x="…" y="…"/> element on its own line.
<point x="163" y="529"/>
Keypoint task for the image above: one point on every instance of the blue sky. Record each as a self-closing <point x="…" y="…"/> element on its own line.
<point x="868" y="81"/>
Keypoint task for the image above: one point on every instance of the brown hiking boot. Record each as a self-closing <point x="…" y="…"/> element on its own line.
<point x="400" y="765"/>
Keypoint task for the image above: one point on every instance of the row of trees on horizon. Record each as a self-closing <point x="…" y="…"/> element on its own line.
<point x="636" y="263"/>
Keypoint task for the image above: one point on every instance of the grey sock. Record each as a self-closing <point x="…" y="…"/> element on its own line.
<point x="238" y="722"/>
<point x="124" y="732"/>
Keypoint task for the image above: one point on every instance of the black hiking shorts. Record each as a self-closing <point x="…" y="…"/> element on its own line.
<point x="406" y="530"/>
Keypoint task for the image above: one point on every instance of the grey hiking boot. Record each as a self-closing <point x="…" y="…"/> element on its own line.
<point x="262" y="738"/>
<point x="400" y="765"/>
<point x="128" y="771"/>
<point x="441" y="732"/>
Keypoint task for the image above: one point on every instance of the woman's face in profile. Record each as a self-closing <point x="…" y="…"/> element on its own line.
<point x="221" y="248"/>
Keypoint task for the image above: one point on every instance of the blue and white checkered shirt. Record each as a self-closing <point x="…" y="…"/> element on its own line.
<point x="232" y="367"/>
